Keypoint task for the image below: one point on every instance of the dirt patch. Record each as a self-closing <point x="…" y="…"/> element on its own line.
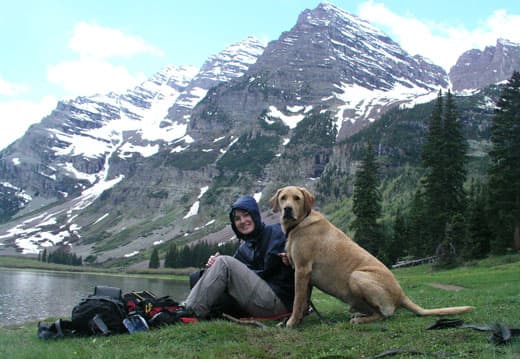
<point x="454" y="288"/>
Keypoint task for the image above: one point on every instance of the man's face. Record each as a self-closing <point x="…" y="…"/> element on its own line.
<point x="243" y="221"/>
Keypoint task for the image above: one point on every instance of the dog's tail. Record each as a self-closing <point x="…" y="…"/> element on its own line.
<point x="408" y="304"/>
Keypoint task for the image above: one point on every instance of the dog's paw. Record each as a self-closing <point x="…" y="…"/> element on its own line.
<point x="357" y="315"/>
<point x="282" y="324"/>
<point x="356" y="320"/>
<point x="366" y="319"/>
<point x="292" y="322"/>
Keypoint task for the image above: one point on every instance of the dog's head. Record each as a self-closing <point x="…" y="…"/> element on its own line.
<point x="293" y="202"/>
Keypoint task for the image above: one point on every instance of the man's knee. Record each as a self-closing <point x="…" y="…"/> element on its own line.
<point x="230" y="266"/>
<point x="224" y="260"/>
<point x="223" y="263"/>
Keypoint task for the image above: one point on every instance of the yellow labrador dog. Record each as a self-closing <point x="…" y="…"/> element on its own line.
<point x="325" y="257"/>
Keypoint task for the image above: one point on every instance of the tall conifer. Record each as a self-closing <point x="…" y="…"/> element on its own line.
<point x="504" y="173"/>
<point x="367" y="205"/>
<point x="433" y="162"/>
<point x="444" y="158"/>
<point x="154" y="259"/>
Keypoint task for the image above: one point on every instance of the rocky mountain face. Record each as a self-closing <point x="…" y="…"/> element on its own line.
<point x="113" y="175"/>
<point x="89" y="144"/>
<point x="476" y="69"/>
<point x="223" y="67"/>
<point x="330" y="59"/>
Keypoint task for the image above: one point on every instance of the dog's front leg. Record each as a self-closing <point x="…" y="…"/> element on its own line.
<point x="301" y="294"/>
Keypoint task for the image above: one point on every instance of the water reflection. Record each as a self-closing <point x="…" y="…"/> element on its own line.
<point x="30" y="296"/>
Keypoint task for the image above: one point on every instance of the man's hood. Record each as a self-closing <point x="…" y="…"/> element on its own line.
<point x="249" y="204"/>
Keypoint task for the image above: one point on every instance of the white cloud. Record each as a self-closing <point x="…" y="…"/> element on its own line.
<point x="11" y="89"/>
<point x="90" y="76"/>
<point x="16" y="116"/>
<point x="439" y="42"/>
<point x="504" y="25"/>
<point x="99" y="42"/>
<point x="93" y="72"/>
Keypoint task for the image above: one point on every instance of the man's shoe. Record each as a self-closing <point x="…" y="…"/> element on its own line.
<point x="183" y="312"/>
<point x="185" y="315"/>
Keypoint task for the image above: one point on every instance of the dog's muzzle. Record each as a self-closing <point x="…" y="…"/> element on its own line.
<point x="288" y="213"/>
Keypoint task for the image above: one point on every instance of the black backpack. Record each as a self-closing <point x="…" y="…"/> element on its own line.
<point x="100" y="313"/>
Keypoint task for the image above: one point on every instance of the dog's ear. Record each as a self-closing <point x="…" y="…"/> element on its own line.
<point x="274" y="201"/>
<point x="308" y="199"/>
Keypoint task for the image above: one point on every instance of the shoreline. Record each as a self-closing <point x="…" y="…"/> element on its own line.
<point x="18" y="263"/>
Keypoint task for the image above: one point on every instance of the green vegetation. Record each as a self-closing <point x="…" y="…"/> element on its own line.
<point x="60" y="256"/>
<point x="195" y="255"/>
<point x="249" y="154"/>
<point x="316" y="130"/>
<point x="491" y="285"/>
<point x="191" y="160"/>
<point x="154" y="259"/>
<point x="504" y="174"/>
<point x="367" y="205"/>
<point x="441" y="193"/>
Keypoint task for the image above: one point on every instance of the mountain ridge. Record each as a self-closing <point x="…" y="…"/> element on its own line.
<point x="213" y="138"/>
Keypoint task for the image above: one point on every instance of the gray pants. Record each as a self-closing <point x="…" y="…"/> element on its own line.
<point x="229" y="275"/>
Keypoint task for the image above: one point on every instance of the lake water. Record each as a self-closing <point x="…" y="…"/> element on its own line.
<point x="31" y="296"/>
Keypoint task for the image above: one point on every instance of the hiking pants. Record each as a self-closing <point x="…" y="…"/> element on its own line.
<point x="229" y="275"/>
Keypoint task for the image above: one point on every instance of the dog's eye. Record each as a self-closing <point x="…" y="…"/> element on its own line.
<point x="297" y="198"/>
<point x="283" y="198"/>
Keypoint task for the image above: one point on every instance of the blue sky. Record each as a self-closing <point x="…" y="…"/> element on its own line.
<point x="54" y="50"/>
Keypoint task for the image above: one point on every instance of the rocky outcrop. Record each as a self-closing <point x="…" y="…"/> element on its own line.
<point x="476" y="69"/>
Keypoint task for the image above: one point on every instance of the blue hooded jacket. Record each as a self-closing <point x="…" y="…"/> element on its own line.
<point x="259" y="251"/>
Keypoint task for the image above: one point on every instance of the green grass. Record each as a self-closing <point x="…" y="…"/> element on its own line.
<point x="492" y="286"/>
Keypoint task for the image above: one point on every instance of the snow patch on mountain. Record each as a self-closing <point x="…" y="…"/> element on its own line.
<point x="194" y="209"/>
<point x="361" y="103"/>
<point x="289" y="120"/>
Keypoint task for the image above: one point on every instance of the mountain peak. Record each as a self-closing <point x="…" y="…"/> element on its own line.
<point x="328" y="15"/>
<point x="237" y="58"/>
<point x="476" y="68"/>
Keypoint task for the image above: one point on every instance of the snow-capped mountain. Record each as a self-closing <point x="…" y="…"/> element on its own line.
<point x="114" y="174"/>
<point x="89" y="144"/>
<point x="329" y="59"/>
<point x="229" y="64"/>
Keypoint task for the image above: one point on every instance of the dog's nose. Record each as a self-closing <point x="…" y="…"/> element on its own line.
<point x="287" y="212"/>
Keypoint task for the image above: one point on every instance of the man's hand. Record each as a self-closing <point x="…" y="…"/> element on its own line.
<point x="212" y="259"/>
<point x="284" y="258"/>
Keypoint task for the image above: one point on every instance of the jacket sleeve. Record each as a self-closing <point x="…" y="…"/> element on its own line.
<point x="276" y="245"/>
<point x="264" y="261"/>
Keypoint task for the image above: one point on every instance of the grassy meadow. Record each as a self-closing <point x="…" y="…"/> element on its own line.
<point x="491" y="285"/>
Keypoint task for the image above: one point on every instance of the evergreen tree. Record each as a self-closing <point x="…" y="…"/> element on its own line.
<point x="154" y="259"/>
<point x="477" y="244"/>
<point x="455" y="149"/>
<point x="367" y="205"/>
<point x="170" y="260"/>
<point x="504" y="173"/>
<point x="455" y="232"/>
<point x="419" y="244"/>
<point x="433" y="162"/>
<point x="444" y="158"/>
<point x="398" y="244"/>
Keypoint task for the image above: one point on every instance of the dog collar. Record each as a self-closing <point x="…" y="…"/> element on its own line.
<point x="289" y="229"/>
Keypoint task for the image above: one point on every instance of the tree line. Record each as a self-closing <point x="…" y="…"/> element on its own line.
<point x="190" y="256"/>
<point x="60" y="256"/>
<point x="444" y="218"/>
